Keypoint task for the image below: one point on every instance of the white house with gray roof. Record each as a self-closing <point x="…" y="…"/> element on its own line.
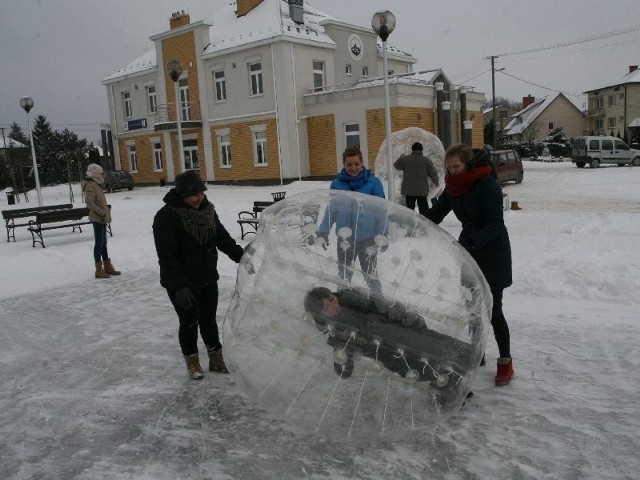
<point x="270" y="91"/>
<point x="538" y="117"/>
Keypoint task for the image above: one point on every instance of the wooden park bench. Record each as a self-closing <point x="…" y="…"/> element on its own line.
<point x="10" y="217"/>
<point x="53" y="219"/>
<point x="251" y="219"/>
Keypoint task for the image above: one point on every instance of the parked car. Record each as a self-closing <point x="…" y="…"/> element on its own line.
<point x="508" y="165"/>
<point x="117" y="180"/>
<point x="595" y="151"/>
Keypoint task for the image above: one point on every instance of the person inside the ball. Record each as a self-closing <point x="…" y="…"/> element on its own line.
<point x="386" y="331"/>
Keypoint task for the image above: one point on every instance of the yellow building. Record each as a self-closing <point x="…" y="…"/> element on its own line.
<point x="272" y="91"/>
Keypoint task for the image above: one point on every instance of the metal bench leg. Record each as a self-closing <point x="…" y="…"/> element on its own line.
<point x="33" y="238"/>
<point x="11" y="233"/>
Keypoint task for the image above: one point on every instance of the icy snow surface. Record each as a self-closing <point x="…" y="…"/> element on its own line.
<point x="94" y="386"/>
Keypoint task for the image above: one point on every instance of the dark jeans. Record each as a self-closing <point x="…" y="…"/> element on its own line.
<point x="499" y="324"/>
<point x="203" y="314"/>
<point x="368" y="263"/>
<point x="423" y="205"/>
<point x="100" y="245"/>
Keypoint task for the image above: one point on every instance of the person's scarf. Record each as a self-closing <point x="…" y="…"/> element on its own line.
<point x="456" y="185"/>
<point x="200" y="224"/>
<point x="354" y="182"/>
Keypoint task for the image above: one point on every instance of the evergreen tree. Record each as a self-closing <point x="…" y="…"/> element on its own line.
<point x="72" y="155"/>
<point x="46" y="151"/>
<point x="18" y="135"/>
<point x="61" y="156"/>
<point x="558" y="142"/>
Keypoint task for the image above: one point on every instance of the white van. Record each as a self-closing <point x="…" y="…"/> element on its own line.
<point x="594" y="151"/>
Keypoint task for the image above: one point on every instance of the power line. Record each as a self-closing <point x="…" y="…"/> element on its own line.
<point x="468" y="70"/>
<point x="578" y="95"/>
<point x="573" y="51"/>
<point x="466" y="80"/>
<point x="601" y="36"/>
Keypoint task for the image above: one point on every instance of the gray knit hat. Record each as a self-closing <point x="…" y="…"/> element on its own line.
<point x="93" y="169"/>
<point x="189" y="183"/>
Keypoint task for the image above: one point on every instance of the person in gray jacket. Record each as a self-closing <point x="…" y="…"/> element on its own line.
<point x="416" y="171"/>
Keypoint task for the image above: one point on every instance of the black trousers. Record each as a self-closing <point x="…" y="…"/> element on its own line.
<point x="423" y="205"/>
<point x="499" y="324"/>
<point x="368" y="262"/>
<point x="203" y="315"/>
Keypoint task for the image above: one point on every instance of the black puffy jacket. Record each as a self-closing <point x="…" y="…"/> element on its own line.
<point x="484" y="234"/>
<point x="184" y="261"/>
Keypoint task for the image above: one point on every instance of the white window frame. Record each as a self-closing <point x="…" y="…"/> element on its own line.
<point x="365" y="71"/>
<point x="127" y="106"/>
<point x="219" y="86"/>
<point x="256" y="86"/>
<point x="612" y="100"/>
<point x="156" y="153"/>
<point x="318" y="75"/>
<point x="611" y="122"/>
<point x="224" y="148"/>
<point x="350" y="132"/>
<point x="132" y="156"/>
<point x="348" y="70"/>
<point x="260" y="145"/>
<point x="185" y="105"/>
<point x="190" y="150"/>
<point x="152" y="104"/>
<point x="599" y="124"/>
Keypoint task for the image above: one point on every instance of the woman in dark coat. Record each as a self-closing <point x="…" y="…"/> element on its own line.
<point x="473" y="194"/>
<point x="188" y="234"/>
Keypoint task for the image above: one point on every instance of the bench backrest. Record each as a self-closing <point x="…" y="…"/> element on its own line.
<point x="259" y="206"/>
<point x="52" y="216"/>
<point x="31" y="211"/>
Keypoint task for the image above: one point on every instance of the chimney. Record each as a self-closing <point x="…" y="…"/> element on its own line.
<point x="179" y="19"/>
<point x="633" y="68"/>
<point x="296" y="11"/>
<point x="245" y="6"/>
<point x="528" y="100"/>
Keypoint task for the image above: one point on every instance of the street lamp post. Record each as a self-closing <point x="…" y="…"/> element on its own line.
<point x="174" y="69"/>
<point x="467" y="134"/>
<point x="446" y="120"/>
<point x="383" y="24"/>
<point x="27" y="104"/>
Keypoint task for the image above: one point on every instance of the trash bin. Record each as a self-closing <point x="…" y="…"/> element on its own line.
<point x="277" y="196"/>
<point x="11" y="198"/>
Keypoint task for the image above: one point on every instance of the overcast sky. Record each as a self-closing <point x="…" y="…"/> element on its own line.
<point x="58" y="51"/>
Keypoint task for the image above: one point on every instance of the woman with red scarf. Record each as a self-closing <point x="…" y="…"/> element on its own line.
<point x="473" y="194"/>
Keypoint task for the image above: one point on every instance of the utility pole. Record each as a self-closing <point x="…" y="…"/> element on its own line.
<point x="493" y="93"/>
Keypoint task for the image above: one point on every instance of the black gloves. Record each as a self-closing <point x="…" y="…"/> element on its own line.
<point x="184" y="298"/>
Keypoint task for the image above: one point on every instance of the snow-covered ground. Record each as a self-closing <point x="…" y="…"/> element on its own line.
<point x="93" y="385"/>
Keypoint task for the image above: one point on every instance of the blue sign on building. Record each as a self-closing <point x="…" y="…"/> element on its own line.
<point x="135" y="124"/>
